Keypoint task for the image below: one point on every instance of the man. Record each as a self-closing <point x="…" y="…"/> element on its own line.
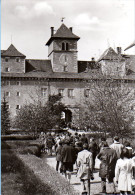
<point x="94" y="149"/>
<point x="103" y="139"/>
<point x="68" y="155"/>
<point x="50" y="142"/>
<point x="84" y="139"/>
<point x="84" y="162"/>
<point x="108" y="159"/>
<point x="117" y="146"/>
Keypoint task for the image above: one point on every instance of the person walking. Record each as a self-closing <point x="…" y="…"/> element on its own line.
<point x="50" y="142"/>
<point x="101" y="145"/>
<point x="84" y="162"/>
<point x="123" y="173"/>
<point x="108" y="159"/>
<point x="94" y="149"/>
<point x="58" y="155"/>
<point x="68" y="155"/>
<point x="84" y="139"/>
<point x="133" y="174"/>
<point x="130" y="149"/>
<point x="117" y="146"/>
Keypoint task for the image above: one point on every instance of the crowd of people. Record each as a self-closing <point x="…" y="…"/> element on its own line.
<point x="117" y="165"/>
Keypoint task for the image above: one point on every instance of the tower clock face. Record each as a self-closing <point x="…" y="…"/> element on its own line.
<point x="65" y="59"/>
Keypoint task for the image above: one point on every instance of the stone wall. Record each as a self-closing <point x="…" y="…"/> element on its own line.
<point x="13" y="65"/>
<point x="57" y="56"/>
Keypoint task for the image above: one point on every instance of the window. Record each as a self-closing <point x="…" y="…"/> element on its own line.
<point x="18" y="93"/>
<point x="43" y="92"/>
<point x="17" y="59"/>
<point x="63" y="46"/>
<point x="70" y="93"/>
<point x="7" y="69"/>
<point x="18" y="83"/>
<point x="7" y="94"/>
<point x="67" y="46"/>
<point x="65" y="69"/>
<point x="61" y="91"/>
<point x="6" y="59"/>
<point x="8" y="106"/>
<point x="117" y="68"/>
<point x="87" y="92"/>
<point x="7" y="83"/>
<point x="18" y="107"/>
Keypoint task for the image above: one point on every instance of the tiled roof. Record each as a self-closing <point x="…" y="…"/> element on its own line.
<point x="38" y="65"/>
<point x="56" y="75"/>
<point x="84" y="65"/>
<point x="12" y="51"/>
<point x="63" y="32"/>
<point x="90" y="74"/>
<point x="109" y="54"/>
<point x="130" y="62"/>
<point x="2" y="51"/>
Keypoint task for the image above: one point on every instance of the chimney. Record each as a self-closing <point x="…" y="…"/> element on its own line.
<point x="92" y="59"/>
<point x="52" y="31"/>
<point x="119" y="50"/>
<point x="71" y="29"/>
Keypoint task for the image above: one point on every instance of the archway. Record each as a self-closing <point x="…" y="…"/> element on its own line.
<point x="67" y="116"/>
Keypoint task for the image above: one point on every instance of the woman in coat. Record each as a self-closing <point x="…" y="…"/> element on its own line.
<point x="123" y="173"/>
<point x="84" y="162"/>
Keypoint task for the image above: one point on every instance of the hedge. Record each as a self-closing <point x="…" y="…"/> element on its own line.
<point x="56" y="184"/>
<point x="16" y="137"/>
<point x="25" y="146"/>
<point x="37" y="176"/>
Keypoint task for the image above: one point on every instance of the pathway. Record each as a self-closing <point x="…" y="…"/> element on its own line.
<point x="75" y="182"/>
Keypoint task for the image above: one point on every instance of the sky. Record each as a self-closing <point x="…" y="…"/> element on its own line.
<point x="99" y="24"/>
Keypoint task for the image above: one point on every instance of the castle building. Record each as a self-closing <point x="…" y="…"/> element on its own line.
<point x="26" y="80"/>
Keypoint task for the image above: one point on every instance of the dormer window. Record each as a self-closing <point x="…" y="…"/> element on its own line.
<point x="7" y="69"/>
<point x="17" y="59"/>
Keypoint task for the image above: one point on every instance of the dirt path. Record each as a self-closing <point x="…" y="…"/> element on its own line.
<point x="75" y="182"/>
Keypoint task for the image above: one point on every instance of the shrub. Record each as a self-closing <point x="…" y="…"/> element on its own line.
<point x="51" y="183"/>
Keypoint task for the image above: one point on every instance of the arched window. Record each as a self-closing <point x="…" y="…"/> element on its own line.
<point x="67" y="46"/>
<point x="63" y="46"/>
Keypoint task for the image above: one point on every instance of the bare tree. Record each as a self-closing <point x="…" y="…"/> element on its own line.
<point x="109" y="108"/>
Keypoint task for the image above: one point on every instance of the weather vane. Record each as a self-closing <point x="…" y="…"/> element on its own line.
<point x="11" y="38"/>
<point x="62" y="19"/>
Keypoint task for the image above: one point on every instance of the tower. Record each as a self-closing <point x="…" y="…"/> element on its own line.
<point x="12" y="60"/>
<point x="62" y="50"/>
